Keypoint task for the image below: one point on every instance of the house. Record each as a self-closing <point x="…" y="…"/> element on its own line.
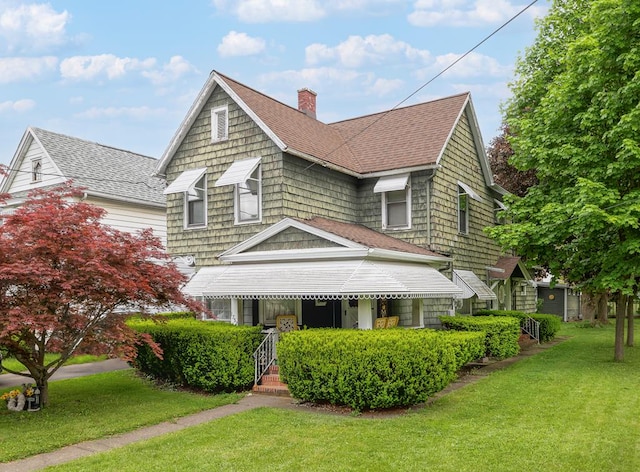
<point x="118" y="181"/>
<point x="561" y="300"/>
<point x="336" y="223"/>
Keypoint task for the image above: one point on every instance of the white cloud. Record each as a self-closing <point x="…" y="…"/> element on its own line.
<point x="466" y="12"/>
<point x="15" y="69"/>
<point x="32" y="27"/>
<point x="311" y="77"/>
<point x="176" y="68"/>
<point x="357" y="51"/>
<point x="138" y="113"/>
<point x="19" y="106"/>
<point x="264" y="11"/>
<point x="240" y="44"/>
<point x="105" y="65"/>
<point x="473" y="65"/>
<point x="382" y="87"/>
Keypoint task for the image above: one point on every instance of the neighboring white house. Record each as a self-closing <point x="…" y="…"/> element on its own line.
<point x="118" y="181"/>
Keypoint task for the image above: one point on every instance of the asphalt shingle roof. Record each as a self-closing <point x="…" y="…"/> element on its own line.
<point x="103" y="170"/>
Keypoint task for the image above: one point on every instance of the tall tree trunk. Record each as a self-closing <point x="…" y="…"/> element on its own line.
<point x="603" y="309"/>
<point x="630" y="321"/>
<point x="621" y="311"/>
<point x="589" y="306"/>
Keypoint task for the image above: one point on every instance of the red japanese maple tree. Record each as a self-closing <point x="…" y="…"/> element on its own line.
<point x="66" y="279"/>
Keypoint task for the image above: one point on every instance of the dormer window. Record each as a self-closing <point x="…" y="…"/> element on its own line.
<point x="36" y="170"/>
<point x="396" y="201"/>
<point x="219" y="124"/>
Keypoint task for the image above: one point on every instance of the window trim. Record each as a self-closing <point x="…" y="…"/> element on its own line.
<point x="36" y="170"/>
<point x="236" y="199"/>
<point x="463" y="229"/>
<point x="216" y="114"/>
<point x="188" y="199"/>
<point x="385" y="215"/>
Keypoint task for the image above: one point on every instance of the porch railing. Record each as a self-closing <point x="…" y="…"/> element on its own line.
<point x="532" y="328"/>
<point x="265" y="355"/>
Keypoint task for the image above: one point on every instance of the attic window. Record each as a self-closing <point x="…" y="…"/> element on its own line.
<point x="219" y="124"/>
<point x="36" y="170"/>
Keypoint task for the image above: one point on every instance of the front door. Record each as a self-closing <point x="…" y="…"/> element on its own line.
<point x="322" y="313"/>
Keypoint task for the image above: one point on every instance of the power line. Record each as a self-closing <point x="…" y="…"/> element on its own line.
<point x="384" y="114"/>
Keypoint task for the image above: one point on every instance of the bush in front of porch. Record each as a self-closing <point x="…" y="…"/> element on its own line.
<point x="209" y="356"/>
<point x="502" y="332"/>
<point x="372" y="369"/>
<point x="549" y="324"/>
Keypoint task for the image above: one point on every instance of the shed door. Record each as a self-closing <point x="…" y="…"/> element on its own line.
<point x="552" y="300"/>
<point x="321" y="313"/>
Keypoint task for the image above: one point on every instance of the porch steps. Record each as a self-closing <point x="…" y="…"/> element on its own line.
<point x="270" y="384"/>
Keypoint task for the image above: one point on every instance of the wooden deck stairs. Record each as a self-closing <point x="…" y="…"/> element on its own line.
<point x="270" y="384"/>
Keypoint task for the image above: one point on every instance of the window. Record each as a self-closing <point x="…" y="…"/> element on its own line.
<point x="195" y="204"/>
<point x="498" y="206"/>
<point x="219" y="124"/>
<point x="463" y="211"/>
<point x="396" y="209"/>
<point x="192" y="184"/>
<point x="248" y="196"/>
<point x="220" y="308"/>
<point x="246" y="177"/>
<point x="396" y="201"/>
<point x="36" y="170"/>
<point x="270" y="308"/>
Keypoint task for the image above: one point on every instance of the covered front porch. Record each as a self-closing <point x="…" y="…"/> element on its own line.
<point x="349" y="293"/>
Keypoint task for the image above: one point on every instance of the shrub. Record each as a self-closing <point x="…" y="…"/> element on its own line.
<point x="549" y="324"/>
<point x="502" y="333"/>
<point x="369" y="369"/>
<point x="214" y="357"/>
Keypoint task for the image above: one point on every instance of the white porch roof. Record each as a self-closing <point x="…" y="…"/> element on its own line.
<point x="322" y="280"/>
<point x="471" y="284"/>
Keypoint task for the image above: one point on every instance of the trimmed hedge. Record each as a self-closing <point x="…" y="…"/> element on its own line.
<point x="210" y="356"/>
<point x="549" y="324"/>
<point x="370" y="369"/>
<point x="502" y="333"/>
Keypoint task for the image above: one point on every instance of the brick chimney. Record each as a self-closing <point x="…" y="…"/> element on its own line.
<point x="307" y="102"/>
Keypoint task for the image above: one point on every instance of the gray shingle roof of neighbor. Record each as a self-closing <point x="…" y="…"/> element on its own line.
<point x="103" y="170"/>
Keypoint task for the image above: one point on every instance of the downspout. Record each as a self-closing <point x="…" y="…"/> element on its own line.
<point x="429" y="184"/>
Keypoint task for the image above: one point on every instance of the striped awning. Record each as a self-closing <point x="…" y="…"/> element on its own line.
<point x="322" y="280"/>
<point x="391" y="183"/>
<point x="471" y="284"/>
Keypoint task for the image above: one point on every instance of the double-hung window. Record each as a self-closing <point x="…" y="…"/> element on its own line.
<point x="219" y="124"/>
<point x="464" y="194"/>
<point x="396" y="201"/>
<point x="192" y="184"/>
<point x="246" y="177"/>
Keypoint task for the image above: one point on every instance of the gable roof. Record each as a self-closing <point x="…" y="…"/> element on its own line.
<point x="412" y="137"/>
<point x="351" y="240"/>
<point x="103" y="170"/>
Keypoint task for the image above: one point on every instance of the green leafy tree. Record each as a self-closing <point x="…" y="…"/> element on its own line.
<point x="575" y="118"/>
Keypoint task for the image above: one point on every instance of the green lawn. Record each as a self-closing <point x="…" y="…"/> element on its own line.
<point x="93" y="407"/>
<point x="569" y="408"/>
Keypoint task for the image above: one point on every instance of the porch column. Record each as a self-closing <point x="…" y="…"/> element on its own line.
<point x="234" y="311"/>
<point x="365" y="319"/>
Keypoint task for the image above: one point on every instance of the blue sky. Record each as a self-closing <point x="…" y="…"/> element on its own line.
<point x="124" y="73"/>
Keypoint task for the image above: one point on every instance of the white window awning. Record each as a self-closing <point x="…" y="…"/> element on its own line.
<point x="322" y="280"/>
<point x="469" y="191"/>
<point x="391" y="183"/>
<point x="239" y="172"/>
<point x="185" y="181"/>
<point x="471" y="285"/>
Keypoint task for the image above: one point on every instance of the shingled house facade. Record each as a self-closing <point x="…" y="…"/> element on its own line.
<point x="337" y="223"/>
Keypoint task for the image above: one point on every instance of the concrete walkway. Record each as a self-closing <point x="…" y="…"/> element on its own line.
<point x="249" y="402"/>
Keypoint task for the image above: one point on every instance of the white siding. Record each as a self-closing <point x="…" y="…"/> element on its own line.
<point x="132" y="218"/>
<point x="22" y="180"/>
